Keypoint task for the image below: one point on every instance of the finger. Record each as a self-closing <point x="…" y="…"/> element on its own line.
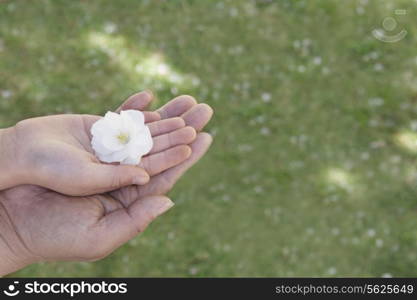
<point x="151" y="116"/>
<point x="165" y="126"/>
<point x="106" y="177"/>
<point x="182" y="136"/>
<point x="108" y="202"/>
<point x="162" y="183"/>
<point x="159" y="162"/>
<point x="139" y="101"/>
<point x="121" y="225"/>
<point x="198" y="116"/>
<point x="176" y="107"/>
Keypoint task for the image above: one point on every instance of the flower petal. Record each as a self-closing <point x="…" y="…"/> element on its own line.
<point x="111" y="142"/>
<point x="98" y="146"/>
<point x="117" y="156"/>
<point x="135" y="115"/>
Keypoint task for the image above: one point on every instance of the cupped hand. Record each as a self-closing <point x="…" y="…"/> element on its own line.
<point x="194" y="115"/>
<point x="42" y="225"/>
<point x="55" y="152"/>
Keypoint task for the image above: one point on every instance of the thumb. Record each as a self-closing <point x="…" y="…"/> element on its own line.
<point x="110" y="177"/>
<point x="121" y="225"/>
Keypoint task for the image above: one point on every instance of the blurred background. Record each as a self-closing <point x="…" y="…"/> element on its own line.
<point x="313" y="170"/>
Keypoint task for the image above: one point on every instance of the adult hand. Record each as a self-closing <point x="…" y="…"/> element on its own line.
<point x="41" y="225"/>
<point x="194" y="115"/>
<point x="55" y="152"/>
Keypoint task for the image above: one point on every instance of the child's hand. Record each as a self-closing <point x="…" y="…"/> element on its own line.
<point x="55" y="152"/>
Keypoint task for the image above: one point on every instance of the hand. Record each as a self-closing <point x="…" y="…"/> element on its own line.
<point x="194" y="115"/>
<point x="55" y="152"/>
<point x="41" y="225"/>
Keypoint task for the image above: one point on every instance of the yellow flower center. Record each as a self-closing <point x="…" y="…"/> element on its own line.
<point x="123" y="138"/>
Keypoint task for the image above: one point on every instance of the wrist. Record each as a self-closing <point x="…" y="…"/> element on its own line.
<point x="9" y="262"/>
<point x="14" y="255"/>
<point x="9" y="163"/>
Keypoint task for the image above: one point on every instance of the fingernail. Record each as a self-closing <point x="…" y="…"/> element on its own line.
<point x="141" y="179"/>
<point x="164" y="206"/>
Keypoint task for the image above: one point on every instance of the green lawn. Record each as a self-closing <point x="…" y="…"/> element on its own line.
<point x="313" y="170"/>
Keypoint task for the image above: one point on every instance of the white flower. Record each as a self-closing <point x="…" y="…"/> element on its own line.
<point x="121" y="137"/>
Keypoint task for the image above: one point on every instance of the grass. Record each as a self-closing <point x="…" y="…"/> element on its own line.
<point x="313" y="171"/>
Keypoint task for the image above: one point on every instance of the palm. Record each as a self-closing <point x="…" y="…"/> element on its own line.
<point x="52" y="139"/>
<point x="52" y="226"/>
<point x="59" y="147"/>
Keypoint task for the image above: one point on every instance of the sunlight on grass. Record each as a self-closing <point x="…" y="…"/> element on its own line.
<point x="407" y="140"/>
<point x="155" y="66"/>
<point x="409" y="79"/>
<point x="340" y="178"/>
<point x="148" y="67"/>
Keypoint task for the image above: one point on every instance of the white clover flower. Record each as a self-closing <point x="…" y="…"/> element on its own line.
<point x="121" y="137"/>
